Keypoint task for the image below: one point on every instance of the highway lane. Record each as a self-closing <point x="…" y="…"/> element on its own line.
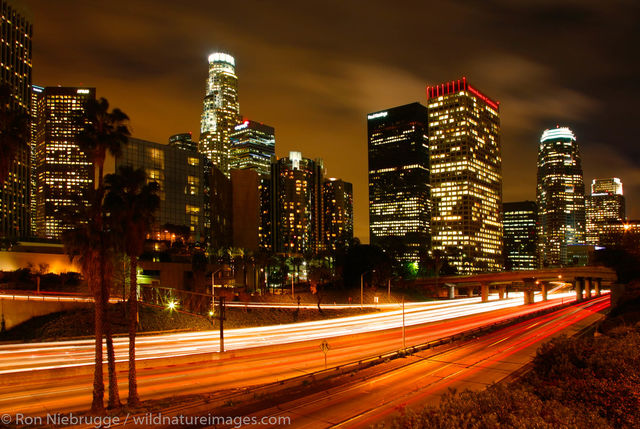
<point x="246" y="367"/>
<point x="425" y="376"/>
<point x="16" y="358"/>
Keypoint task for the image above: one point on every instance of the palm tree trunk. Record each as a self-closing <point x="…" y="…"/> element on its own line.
<point x="134" y="399"/>
<point x="114" y="395"/>
<point x="97" y="406"/>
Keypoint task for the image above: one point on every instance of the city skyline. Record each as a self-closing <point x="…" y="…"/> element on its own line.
<point x="161" y="90"/>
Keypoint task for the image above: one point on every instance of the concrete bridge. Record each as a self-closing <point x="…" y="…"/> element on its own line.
<point x="587" y="281"/>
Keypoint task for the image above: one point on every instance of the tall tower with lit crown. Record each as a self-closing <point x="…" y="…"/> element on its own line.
<point x="560" y="196"/>
<point x="221" y="110"/>
<point x="466" y="176"/>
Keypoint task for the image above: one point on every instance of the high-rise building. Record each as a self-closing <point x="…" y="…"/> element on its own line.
<point x="181" y="175"/>
<point x="265" y="237"/>
<point x="520" y="221"/>
<point x="466" y="176"/>
<point x="338" y="213"/>
<point x="295" y="198"/>
<point x="15" y="72"/>
<point x="399" y="190"/>
<point x="252" y="146"/>
<point x="221" y="111"/>
<point x="63" y="171"/>
<point x="604" y="205"/>
<point x="36" y="92"/>
<point x="560" y="196"/>
<point x="183" y="141"/>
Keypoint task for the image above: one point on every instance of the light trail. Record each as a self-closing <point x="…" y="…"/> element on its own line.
<point x="16" y="358"/>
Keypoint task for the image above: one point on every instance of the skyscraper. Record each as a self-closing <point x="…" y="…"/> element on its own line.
<point x="63" y="171"/>
<point x="560" y="196"/>
<point x="604" y="205"/>
<point x="15" y="72"/>
<point x="221" y="111"/>
<point x="337" y="198"/>
<point x="183" y="141"/>
<point x="521" y="235"/>
<point x="399" y="191"/>
<point x="296" y="204"/>
<point x="252" y="146"/>
<point x="466" y="176"/>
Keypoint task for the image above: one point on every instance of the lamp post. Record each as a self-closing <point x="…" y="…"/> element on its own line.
<point x="213" y="286"/>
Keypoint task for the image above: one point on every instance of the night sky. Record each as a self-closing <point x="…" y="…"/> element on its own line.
<point x="313" y="70"/>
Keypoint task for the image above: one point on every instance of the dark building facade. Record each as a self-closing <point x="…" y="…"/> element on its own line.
<point x="337" y="207"/>
<point x="245" y="185"/>
<point x="560" y="196"/>
<point x="63" y="171"/>
<point x="399" y="190"/>
<point x="295" y="201"/>
<point x="520" y="221"/>
<point x="466" y="176"/>
<point x="218" y="209"/>
<point x="252" y="146"/>
<point x="181" y="176"/>
<point x="15" y="72"/>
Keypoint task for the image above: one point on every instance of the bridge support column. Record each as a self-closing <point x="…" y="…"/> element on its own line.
<point x="579" y="283"/>
<point x="529" y="287"/>
<point x="588" y="287"/>
<point x="597" y="285"/>
<point x="502" y="291"/>
<point x="470" y="291"/>
<point x="545" y="290"/>
<point x="452" y="292"/>
<point x="484" y="292"/>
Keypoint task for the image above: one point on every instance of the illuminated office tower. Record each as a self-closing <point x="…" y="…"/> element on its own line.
<point x="520" y="221"/>
<point x="604" y="205"/>
<point x="337" y="198"/>
<point x="221" y="111"/>
<point x="252" y="146"/>
<point x="36" y="92"/>
<point x="560" y="196"/>
<point x="296" y="204"/>
<point x="466" y="176"/>
<point x="183" y="141"/>
<point x="63" y="171"/>
<point x="15" y="72"/>
<point x="399" y="191"/>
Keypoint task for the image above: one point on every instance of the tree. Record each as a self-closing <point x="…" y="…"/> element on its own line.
<point x="132" y="204"/>
<point x="103" y="131"/>
<point x="14" y="132"/>
<point x="86" y="239"/>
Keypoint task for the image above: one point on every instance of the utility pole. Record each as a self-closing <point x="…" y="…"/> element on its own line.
<point x="389" y="290"/>
<point x="221" y="311"/>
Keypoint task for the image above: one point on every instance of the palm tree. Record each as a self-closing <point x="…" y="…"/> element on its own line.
<point x="103" y="131"/>
<point x="14" y="132"/>
<point x="86" y="240"/>
<point x="132" y="204"/>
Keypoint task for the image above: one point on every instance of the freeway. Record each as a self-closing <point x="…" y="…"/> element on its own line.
<point x="60" y="354"/>
<point x="382" y="393"/>
<point x="187" y="363"/>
